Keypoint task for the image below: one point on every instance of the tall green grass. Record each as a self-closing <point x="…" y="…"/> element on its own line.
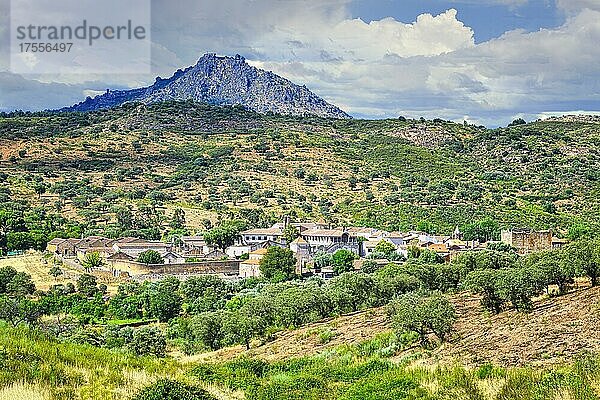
<point x="70" y="371"/>
<point x="34" y="366"/>
<point x="351" y="373"/>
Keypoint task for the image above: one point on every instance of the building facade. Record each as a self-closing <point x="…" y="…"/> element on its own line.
<point x="527" y="240"/>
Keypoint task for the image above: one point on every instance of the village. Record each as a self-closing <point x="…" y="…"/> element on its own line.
<point x="188" y="256"/>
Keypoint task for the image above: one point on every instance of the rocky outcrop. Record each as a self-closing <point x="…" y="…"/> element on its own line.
<point x="223" y="81"/>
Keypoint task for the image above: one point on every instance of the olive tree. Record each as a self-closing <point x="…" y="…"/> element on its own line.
<point x="485" y="282"/>
<point x="413" y="312"/>
<point x="150" y="257"/>
<point x="584" y="255"/>
<point x="278" y="264"/>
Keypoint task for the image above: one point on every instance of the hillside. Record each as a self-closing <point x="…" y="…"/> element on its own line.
<point x="224" y="162"/>
<point x="556" y="332"/>
<point x="500" y="362"/>
<point x="222" y="81"/>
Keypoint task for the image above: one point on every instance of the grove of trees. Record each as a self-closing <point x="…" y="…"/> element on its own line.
<point x="207" y="312"/>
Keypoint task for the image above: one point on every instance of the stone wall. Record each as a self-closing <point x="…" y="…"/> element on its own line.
<point x="528" y="241"/>
<point x="228" y="267"/>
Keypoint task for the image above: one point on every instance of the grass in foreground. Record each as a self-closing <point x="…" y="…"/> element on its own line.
<point x="365" y="372"/>
<point x="33" y="366"/>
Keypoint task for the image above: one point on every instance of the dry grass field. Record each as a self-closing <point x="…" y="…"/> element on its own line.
<point x="554" y="333"/>
<point x="38" y="266"/>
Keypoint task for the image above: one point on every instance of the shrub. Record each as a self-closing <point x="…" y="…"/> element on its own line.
<point x="166" y="389"/>
<point x="149" y="340"/>
<point x="150" y="257"/>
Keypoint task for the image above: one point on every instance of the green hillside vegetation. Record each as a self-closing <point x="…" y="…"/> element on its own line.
<point x="34" y="365"/>
<point x="126" y="171"/>
<point x="207" y="313"/>
<point x="366" y="372"/>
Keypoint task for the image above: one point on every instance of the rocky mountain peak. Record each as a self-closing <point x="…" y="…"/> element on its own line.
<point x="224" y="80"/>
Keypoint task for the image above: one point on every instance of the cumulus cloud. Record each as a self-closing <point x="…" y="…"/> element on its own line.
<point x="574" y="6"/>
<point x="356" y="40"/>
<point x="429" y="67"/>
<point x="518" y="72"/>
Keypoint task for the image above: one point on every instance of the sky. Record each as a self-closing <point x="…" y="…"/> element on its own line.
<point x="483" y="61"/>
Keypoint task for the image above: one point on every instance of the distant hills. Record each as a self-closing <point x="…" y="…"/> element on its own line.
<point x="223" y="81"/>
<point x="216" y="161"/>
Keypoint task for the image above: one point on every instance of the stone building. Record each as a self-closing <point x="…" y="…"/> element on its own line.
<point x="527" y="240"/>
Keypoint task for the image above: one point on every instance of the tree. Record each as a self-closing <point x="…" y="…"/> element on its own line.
<point x="18" y="310"/>
<point x="517" y="122"/>
<point x="351" y="291"/>
<point x="165" y="300"/>
<point x="483" y="231"/>
<point x="20" y="285"/>
<point x="369" y="266"/>
<point x="585" y="256"/>
<point x="579" y="231"/>
<point x="413" y="252"/>
<point x="242" y="326"/>
<point x="39" y="188"/>
<point x="485" y="283"/>
<point x="412" y="312"/>
<point x="425" y="226"/>
<point x="55" y="271"/>
<point x="127" y="303"/>
<point x="385" y="247"/>
<point x="92" y="261"/>
<point x="225" y="234"/>
<point x="278" y="264"/>
<point x="322" y="260"/>
<point x="393" y="280"/>
<point x="149" y="340"/>
<point x="150" y="257"/>
<point x="178" y="219"/>
<point x="290" y="233"/>
<point x="19" y="241"/>
<point x="204" y="293"/>
<point x="430" y="257"/>
<point x="552" y="268"/>
<point x="166" y="389"/>
<point x="519" y="286"/>
<point x="208" y="329"/>
<point x="87" y="285"/>
<point x="501" y="247"/>
<point x="343" y="261"/>
<point x="6" y="275"/>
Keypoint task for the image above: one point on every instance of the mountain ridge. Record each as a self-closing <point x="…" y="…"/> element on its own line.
<point x="223" y="80"/>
